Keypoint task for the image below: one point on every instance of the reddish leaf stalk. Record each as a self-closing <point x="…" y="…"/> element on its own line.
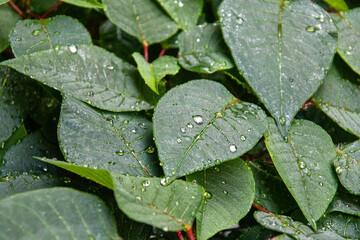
<point x="190" y="234"/>
<point x="307" y="104"/>
<point x="17" y="9"/>
<point x="162" y="53"/>
<point x="52" y="9"/>
<point x="146" y="51"/>
<point x="260" y="208"/>
<point x="180" y="236"/>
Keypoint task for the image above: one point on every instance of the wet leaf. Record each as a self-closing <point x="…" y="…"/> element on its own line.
<point x="8" y="19"/>
<point x="343" y="224"/>
<point x="345" y="203"/>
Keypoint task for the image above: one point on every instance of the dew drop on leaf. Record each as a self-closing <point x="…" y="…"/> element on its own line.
<point x="242" y="137"/>
<point x="178" y="140"/>
<point x="310" y="29"/>
<point x="207" y="195"/>
<point x="233" y="148"/>
<point x="217" y="169"/>
<point x="198" y="119"/>
<point x="139" y="198"/>
<point x="73" y="48"/>
<point x="339" y="170"/>
<point x="163" y="182"/>
<point x="120" y="152"/>
<point x="347" y="53"/>
<point x="183" y="130"/>
<point x="90" y="94"/>
<point x="146" y="183"/>
<point x="35" y="32"/>
<point x="302" y="165"/>
<point x="226" y="192"/>
<point x="189" y="125"/>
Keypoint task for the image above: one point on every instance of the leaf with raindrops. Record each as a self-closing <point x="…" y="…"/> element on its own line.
<point x="283" y="51"/>
<point x="118" y="142"/>
<point x="30" y="36"/>
<point x="200" y="124"/>
<point x="151" y="201"/>
<point x="304" y="162"/>
<point x="88" y="73"/>
<point x="230" y="189"/>
<point x="342" y="224"/>
<point x="56" y="213"/>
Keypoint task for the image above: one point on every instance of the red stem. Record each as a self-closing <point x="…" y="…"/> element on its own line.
<point x="162" y="53"/>
<point x="17" y="9"/>
<point x="307" y="104"/>
<point x="190" y="234"/>
<point x="180" y="236"/>
<point x="146" y="51"/>
<point x="53" y="8"/>
<point x="260" y="208"/>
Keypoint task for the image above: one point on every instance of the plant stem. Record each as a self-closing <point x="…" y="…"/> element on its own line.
<point x="162" y="53"/>
<point x="53" y="8"/>
<point x="180" y="236"/>
<point x="146" y="51"/>
<point x="17" y="9"/>
<point x="260" y="208"/>
<point x="307" y="104"/>
<point x="190" y="234"/>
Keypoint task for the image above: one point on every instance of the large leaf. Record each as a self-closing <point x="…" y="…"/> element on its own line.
<point x="88" y="73"/>
<point x="142" y="19"/>
<point x="283" y="51"/>
<point x="56" y="213"/>
<point x="200" y="124"/>
<point x="202" y="50"/>
<point x="347" y="167"/>
<point x="230" y="191"/>
<point x="147" y="200"/>
<point x="118" y="142"/>
<point x="30" y="36"/>
<point x="339" y="99"/>
<point x="184" y="12"/>
<point x="304" y="162"/>
<point x="349" y="37"/>
<point x="8" y="18"/>
<point x="293" y="228"/>
<point x="85" y="3"/>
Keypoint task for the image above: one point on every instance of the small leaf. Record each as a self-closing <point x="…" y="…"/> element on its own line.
<point x="141" y="19"/>
<point x="339" y="5"/>
<point x="200" y="124"/>
<point x="283" y="51"/>
<point x="342" y="224"/>
<point x="202" y="50"/>
<point x="304" y="162"/>
<point x="147" y="200"/>
<point x="56" y="213"/>
<point x="118" y="142"/>
<point x="152" y="73"/>
<point x="8" y="19"/>
<point x="339" y="99"/>
<point x="349" y="37"/>
<point x="85" y="3"/>
<point x="184" y="12"/>
<point x="345" y="203"/>
<point x="227" y="185"/>
<point x="30" y="36"/>
<point x="347" y="167"/>
<point x="88" y="73"/>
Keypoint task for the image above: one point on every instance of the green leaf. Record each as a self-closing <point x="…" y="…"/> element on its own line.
<point x="339" y="99"/>
<point x="30" y="36"/>
<point x="347" y="167"/>
<point x="293" y="228"/>
<point x="8" y="18"/>
<point x="345" y="203"/>
<point x="256" y="232"/>
<point x="3" y="1"/>
<point x="271" y="192"/>
<point x="41" y="6"/>
<point x="283" y="51"/>
<point x="202" y="50"/>
<point x="349" y="37"/>
<point x="200" y="124"/>
<point x="304" y="162"/>
<point x="141" y="19"/>
<point x="85" y="3"/>
<point x="184" y="12"/>
<point x="24" y="183"/>
<point x="132" y="230"/>
<point x="88" y="73"/>
<point x="147" y="200"/>
<point x="226" y="185"/>
<point x="342" y="224"/>
<point x="153" y="72"/>
<point x="339" y="5"/>
<point x="118" y="142"/>
<point x="56" y="213"/>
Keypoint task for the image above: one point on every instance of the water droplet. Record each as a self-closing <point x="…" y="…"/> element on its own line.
<point x="90" y="94"/>
<point x="239" y="20"/>
<point x="139" y="198"/>
<point x="347" y="53"/>
<point x="198" y="119"/>
<point x="183" y="130"/>
<point x="198" y="40"/>
<point x="177" y="203"/>
<point x="146" y="183"/>
<point x="163" y="182"/>
<point x="57" y="48"/>
<point x="18" y="39"/>
<point x="282" y="120"/>
<point x="150" y="150"/>
<point x="189" y="125"/>
<point x="339" y="170"/>
<point x="35" y="32"/>
<point x="165" y="229"/>
<point x="233" y="148"/>
<point x="207" y="195"/>
<point x="110" y="67"/>
<point x="302" y="165"/>
<point x="73" y="48"/>
<point x="223" y="182"/>
<point x="217" y="169"/>
<point x="226" y="192"/>
<point x="310" y="29"/>
<point x="120" y="152"/>
<point x="321" y="184"/>
<point x="178" y="140"/>
<point x="142" y="125"/>
<point x="320" y="176"/>
<point x="194" y="181"/>
<point x="45" y="169"/>
<point x="133" y="131"/>
<point x="263" y="196"/>
<point x="242" y="137"/>
<point x="111" y="163"/>
<point x="284" y="225"/>
<point x="181" y="4"/>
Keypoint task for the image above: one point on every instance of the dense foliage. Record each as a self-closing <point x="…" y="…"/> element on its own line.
<point x="149" y="119"/>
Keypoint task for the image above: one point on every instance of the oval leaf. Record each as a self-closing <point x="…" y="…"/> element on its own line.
<point x="56" y="213"/>
<point x="283" y="51"/>
<point x="141" y="19"/>
<point x="118" y="142"/>
<point x="202" y="50"/>
<point x="304" y="162"/>
<point x="200" y="124"/>
<point x="147" y="200"/>
<point x="30" y="36"/>
<point x="88" y="73"/>
<point x="347" y="167"/>
<point x="230" y="190"/>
